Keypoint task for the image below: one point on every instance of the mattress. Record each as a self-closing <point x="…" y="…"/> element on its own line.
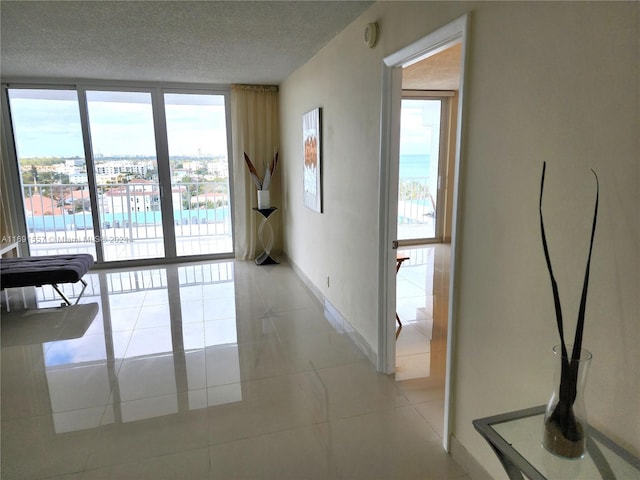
<point x="46" y="270"/>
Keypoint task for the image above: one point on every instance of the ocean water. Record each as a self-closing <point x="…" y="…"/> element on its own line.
<point x="414" y="166"/>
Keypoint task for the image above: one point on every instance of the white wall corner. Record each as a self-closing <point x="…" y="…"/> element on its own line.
<point x="341" y="324"/>
<point x="468" y="463"/>
<point x="335" y="318"/>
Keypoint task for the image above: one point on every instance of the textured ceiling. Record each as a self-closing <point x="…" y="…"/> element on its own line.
<point x="170" y="41"/>
<point x="438" y="72"/>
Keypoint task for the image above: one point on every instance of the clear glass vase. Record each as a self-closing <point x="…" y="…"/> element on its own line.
<point x="565" y="418"/>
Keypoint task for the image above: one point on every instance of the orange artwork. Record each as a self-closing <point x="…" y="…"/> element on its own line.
<point x="312" y="195"/>
<point x="311" y="152"/>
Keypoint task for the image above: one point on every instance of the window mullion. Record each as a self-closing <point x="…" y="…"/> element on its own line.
<point x="164" y="172"/>
<point x="91" y="173"/>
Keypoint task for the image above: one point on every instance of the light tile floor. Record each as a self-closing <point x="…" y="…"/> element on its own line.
<point x="221" y="370"/>
<point x="422" y="295"/>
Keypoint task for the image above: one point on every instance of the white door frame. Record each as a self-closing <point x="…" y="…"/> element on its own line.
<point x="452" y="33"/>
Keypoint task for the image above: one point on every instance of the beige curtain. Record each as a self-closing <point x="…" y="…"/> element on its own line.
<point x="255" y="130"/>
<point x="7" y="222"/>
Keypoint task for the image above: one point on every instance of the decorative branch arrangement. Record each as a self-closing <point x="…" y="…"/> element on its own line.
<point x="268" y="174"/>
<point x="562" y="418"/>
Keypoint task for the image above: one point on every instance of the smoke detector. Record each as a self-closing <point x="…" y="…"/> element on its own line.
<point x="371" y="34"/>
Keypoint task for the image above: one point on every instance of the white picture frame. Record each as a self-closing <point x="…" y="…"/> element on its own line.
<point x="312" y="159"/>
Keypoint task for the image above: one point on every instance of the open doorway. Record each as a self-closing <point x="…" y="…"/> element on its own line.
<point x="427" y="125"/>
<point x="452" y="40"/>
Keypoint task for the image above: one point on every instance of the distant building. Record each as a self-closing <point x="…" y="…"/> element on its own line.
<point x="114" y="169"/>
<point x="79" y="178"/>
<point x="204" y="198"/>
<point x="73" y="164"/>
<point x="219" y="169"/>
<point x="138" y="196"/>
<point x="38" y="205"/>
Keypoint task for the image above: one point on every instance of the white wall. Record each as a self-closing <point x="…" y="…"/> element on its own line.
<point x="341" y="242"/>
<point x="546" y="81"/>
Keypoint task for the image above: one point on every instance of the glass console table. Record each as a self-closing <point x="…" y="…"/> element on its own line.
<point x="266" y="237"/>
<point x="516" y="438"/>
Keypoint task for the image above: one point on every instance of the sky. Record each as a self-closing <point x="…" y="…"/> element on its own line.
<point x="419" y="122"/>
<point x="47" y="123"/>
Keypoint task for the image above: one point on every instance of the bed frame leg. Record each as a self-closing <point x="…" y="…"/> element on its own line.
<point x="64" y="297"/>
<point x="84" y="285"/>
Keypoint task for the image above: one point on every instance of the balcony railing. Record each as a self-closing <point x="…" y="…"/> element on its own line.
<point x="58" y="216"/>
<point x="131" y="281"/>
<point x="59" y="219"/>
<point x="416" y="209"/>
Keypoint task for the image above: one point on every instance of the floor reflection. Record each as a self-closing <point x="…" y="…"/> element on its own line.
<point x="29" y="327"/>
<point x="174" y="328"/>
<point x="422" y="303"/>
<point x="200" y="371"/>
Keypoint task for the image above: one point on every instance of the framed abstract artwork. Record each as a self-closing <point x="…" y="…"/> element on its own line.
<point x="312" y="156"/>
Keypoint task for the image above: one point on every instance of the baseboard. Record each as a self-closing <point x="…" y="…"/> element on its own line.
<point x="341" y="324"/>
<point x="470" y="465"/>
<point x="333" y="315"/>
